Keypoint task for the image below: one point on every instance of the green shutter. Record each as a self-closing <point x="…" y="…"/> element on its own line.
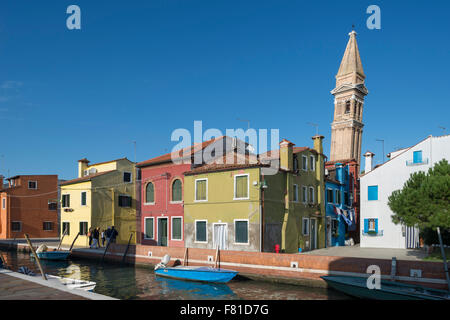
<point x="241" y="187"/>
<point x="150" y="193"/>
<point x="200" y="231"/>
<point x="176" y="228"/>
<point x="176" y="190"/>
<point x="241" y="232"/>
<point x="201" y="190"/>
<point x="149" y="228"/>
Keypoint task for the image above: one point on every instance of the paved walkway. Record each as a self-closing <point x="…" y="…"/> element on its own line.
<point x="17" y="286"/>
<point x="374" y="253"/>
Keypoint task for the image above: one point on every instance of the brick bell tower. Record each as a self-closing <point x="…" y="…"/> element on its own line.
<point x="347" y="126"/>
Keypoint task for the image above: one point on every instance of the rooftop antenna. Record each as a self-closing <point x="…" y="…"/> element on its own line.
<point x="314" y="125"/>
<point x="243" y="120"/>
<point x="382" y="141"/>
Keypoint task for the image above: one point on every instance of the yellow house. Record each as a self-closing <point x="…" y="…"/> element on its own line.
<point x="103" y="195"/>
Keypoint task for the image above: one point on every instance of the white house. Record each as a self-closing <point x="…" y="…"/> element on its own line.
<point x="377" y="184"/>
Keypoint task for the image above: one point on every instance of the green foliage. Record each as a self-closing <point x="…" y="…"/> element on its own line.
<point x="430" y="236"/>
<point x="424" y="200"/>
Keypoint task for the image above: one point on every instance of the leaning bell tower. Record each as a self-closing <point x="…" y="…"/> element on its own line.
<point x="347" y="126"/>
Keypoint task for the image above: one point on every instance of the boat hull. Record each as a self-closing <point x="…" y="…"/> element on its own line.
<point x="53" y="255"/>
<point x="356" y="287"/>
<point x="203" y="274"/>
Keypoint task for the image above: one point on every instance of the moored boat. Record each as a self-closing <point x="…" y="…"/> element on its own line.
<point x="194" y="273"/>
<point x="389" y="290"/>
<point x="53" y="255"/>
<point x="73" y="283"/>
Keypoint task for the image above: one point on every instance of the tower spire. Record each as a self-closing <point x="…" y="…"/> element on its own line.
<point x="351" y="69"/>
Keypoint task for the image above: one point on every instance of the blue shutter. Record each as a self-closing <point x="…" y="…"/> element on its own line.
<point x="372" y="193"/>
<point x="366" y="225"/>
<point x="417" y="157"/>
<point x="376" y="226"/>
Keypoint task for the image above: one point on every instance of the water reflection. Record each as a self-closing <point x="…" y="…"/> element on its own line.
<point x="129" y="282"/>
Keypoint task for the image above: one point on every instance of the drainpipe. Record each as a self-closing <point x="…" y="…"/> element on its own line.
<point x="261" y="235"/>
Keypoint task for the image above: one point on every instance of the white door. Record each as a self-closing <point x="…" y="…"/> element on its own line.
<point x="220" y="236"/>
<point x="313" y="233"/>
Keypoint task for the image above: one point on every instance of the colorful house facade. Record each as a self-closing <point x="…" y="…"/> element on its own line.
<point x="244" y="206"/>
<point x="29" y="205"/>
<point x="103" y="195"/>
<point x="163" y="193"/>
<point x="340" y="214"/>
<point x="377" y="184"/>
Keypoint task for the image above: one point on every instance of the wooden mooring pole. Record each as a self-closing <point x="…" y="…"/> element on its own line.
<point x="36" y="257"/>
<point x="126" y="250"/>
<point x="71" y="246"/>
<point x="185" y="259"/>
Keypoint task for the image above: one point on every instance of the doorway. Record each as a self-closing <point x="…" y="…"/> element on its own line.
<point x="220" y="236"/>
<point x="329" y="244"/>
<point x="162" y="232"/>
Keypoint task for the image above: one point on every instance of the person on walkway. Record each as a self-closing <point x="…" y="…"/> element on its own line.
<point x="103" y="238"/>
<point x="114" y="234"/>
<point x="108" y="235"/>
<point x="95" y="236"/>
<point x="90" y="237"/>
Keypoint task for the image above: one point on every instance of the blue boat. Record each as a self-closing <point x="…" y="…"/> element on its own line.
<point x="389" y="290"/>
<point x="53" y="255"/>
<point x="206" y="274"/>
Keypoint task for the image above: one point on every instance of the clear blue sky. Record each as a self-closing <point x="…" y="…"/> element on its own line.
<point x="137" y="70"/>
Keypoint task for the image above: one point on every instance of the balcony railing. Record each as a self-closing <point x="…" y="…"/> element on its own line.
<point x="416" y="163"/>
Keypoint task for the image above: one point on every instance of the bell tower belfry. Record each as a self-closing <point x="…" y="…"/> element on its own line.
<point x="347" y="126"/>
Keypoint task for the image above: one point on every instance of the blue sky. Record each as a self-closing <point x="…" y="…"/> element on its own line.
<point x="137" y="70"/>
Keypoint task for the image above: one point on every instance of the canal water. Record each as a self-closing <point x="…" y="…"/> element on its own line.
<point x="139" y="282"/>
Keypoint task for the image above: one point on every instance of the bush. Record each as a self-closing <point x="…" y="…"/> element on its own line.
<point x="430" y="236"/>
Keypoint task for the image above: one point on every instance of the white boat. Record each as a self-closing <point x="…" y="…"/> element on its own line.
<point x="73" y="283"/>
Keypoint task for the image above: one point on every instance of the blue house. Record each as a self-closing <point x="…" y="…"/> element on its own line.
<point x="339" y="216"/>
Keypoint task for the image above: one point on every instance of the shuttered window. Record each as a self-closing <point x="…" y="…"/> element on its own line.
<point x="176" y="228"/>
<point x="295" y="193"/>
<point x="201" y="190"/>
<point x="241" y="187"/>
<point x="47" y="226"/>
<point x="66" y="228"/>
<point x="241" y="231"/>
<point x="176" y="190"/>
<point x="83" y="198"/>
<point x="125" y="201"/>
<point x="200" y="231"/>
<point x="149" y="193"/>
<point x="330" y="195"/>
<point x="149" y="228"/>
<point x="372" y="193"/>
<point x="83" y="228"/>
<point x="66" y="200"/>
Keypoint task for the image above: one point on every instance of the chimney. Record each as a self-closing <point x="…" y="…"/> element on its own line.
<point x="1" y="181"/>
<point x="318" y="145"/>
<point x="82" y="165"/>
<point x="286" y="155"/>
<point x="369" y="161"/>
<point x="339" y="172"/>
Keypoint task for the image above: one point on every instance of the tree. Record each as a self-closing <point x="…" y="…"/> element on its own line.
<point x="424" y="202"/>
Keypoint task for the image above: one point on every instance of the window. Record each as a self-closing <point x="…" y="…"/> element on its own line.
<point x="295" y="163"/>
<point x="241" y="231"/>
<point x="4" y="203"/>
<point x="16" y="226"/>
<point x="66" y="228"/>
<point x="66" y="200"/>
<point x="127" y="177"/>
<point x="346" y="199"/>
<point x="177" y="191"/>
<point x="150" y="193"/>
<point x="330" y="196"/>
<point x="347" y="107"/>
<point x="305" y="194"/>
<point x="52" y="205"/>
<point x="200" y="231"/>
<point x="176" y="229"/>
<point x="417" y="157"/>
<point x="371" y="225"/>
<point x="304" y="163"/>
<point x="311" y="195"/>
<point x="338" y="196"/>
<point x="372" y="193"/>
<point x="312" y="161"/>
<point x="83" y="198"/>
<point x="201" y="190"/>
<point x="83" y="228"/>
<point x="241" y="186"/>
<point x="32" y="185"/>
<point x="47" y="226"/>
<point x="125" y="201"/>
<point x="295" y="193"/>
<point x="305" y="226"/>
<point x="149" y="228"/>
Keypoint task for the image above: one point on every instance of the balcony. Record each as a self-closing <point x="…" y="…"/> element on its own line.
<point x="416" y="162"/>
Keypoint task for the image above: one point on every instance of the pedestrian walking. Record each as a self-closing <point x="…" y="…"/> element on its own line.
<point x="103" y="238"/>
<point x="114" y="234"/>
<point x="95" y="238"/>
<point x="90" y="237"/>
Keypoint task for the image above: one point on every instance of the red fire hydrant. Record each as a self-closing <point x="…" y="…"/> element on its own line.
<point x="277" y="248"/>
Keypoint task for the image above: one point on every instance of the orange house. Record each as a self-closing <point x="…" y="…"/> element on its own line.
<point x="29" y="204"/>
